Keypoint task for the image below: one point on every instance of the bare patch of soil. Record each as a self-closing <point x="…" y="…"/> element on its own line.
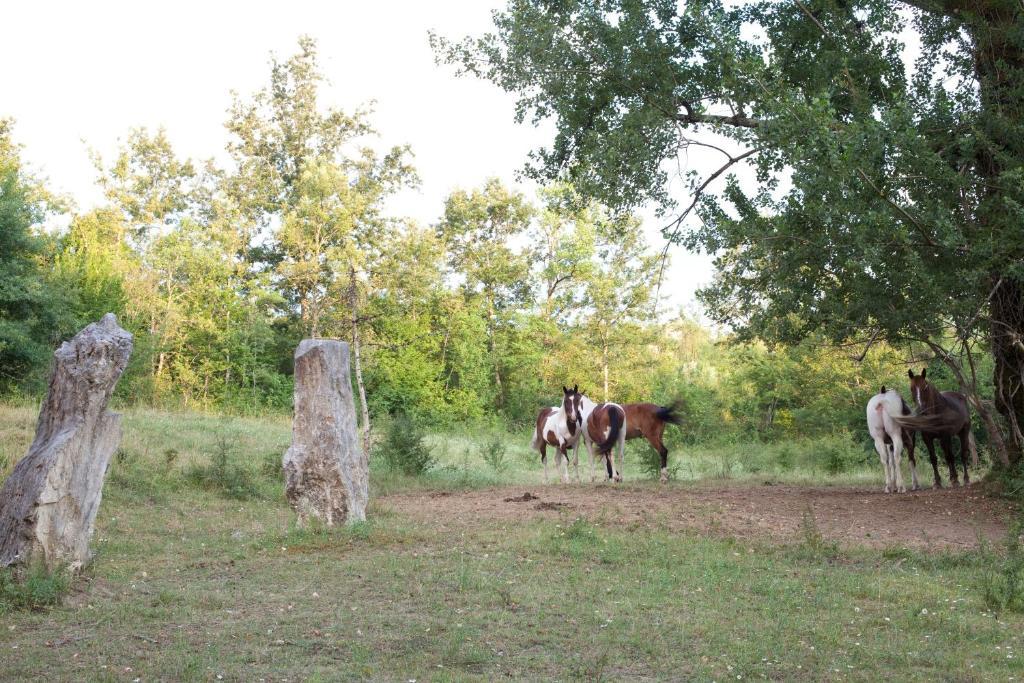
<point x="849" y="516"/>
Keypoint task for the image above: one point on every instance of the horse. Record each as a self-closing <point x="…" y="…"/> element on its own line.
<point x="890" y="438"/>
<point x="604" y="426"/>
<point x="941" y="415"/>
<point x="648" y="420"/>
<point x="558" y="426"/>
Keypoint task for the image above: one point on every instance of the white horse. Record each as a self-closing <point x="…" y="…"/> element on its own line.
<point x="604" y="426"/>
<point x="890" y="438"/>
<point x="558" y="426"/>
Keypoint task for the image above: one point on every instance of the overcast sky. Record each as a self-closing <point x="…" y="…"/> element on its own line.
<point x="79" y="75"/>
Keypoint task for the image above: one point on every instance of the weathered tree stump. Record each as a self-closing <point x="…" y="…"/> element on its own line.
<point x="326" y="472"/>
<point x="48" y="505"/>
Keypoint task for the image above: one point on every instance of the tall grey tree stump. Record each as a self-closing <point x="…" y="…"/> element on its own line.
<point x="326" y="472"/>
<point x="48" y="505"/>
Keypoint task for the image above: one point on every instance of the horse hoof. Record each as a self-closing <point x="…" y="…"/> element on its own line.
<point x="888" y="490"/>
<point x="915" y="487"/>
<point x="902" y="489"/>
<point x="956" y="484"/>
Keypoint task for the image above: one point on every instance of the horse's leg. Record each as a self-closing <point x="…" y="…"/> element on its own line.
<point x="563" y="458"/>
<point x="965" y="435"/>
<point x="883" y="455"/>
<point x="576" y="460"/>
<point x="908" y="443"/>
<point x="897" y="452"/>
<point x="590" y="457"/>
<point x="655" y="439"/>
<point x="544" y="459"/>
<point x="929" y="442"/>
<point x="622" y="453"/>
<point x="947" y="449"/>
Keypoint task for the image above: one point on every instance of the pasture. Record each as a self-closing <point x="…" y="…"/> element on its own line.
<point x="753" y="562"/>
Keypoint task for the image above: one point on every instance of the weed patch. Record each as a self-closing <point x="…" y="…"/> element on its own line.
<point x="34" y="589"/>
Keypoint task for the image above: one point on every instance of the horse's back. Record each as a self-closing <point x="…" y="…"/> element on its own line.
<point x="958" y="402"/>
<point x="640" y="417"/>
<point x="542" y="419"/>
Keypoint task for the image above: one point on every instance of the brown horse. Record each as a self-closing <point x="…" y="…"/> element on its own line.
<point x="941" y="415"/>
<point x="648" y="420"/>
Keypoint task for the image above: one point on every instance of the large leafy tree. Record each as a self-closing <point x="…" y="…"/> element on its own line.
<point x="479" y="229"/>
<point x="888" y="194"/>
<point x="34" y="310"/>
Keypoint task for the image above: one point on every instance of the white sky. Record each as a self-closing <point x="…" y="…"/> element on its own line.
<point x="81" y="74"/>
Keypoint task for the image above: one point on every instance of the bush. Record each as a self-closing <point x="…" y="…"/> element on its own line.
<point x="34" y="590"/>
<point x="1002" y="581"/>
<point x="404" y="449"/>
<point x="223" y="474"/>
<point x="649" y="460"/>
<point x="493" y="452"/>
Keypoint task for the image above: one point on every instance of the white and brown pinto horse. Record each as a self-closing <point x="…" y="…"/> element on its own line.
<point x="604" y="428"/>
<point x="891" y="438"/>
<point x="558" y="426"/>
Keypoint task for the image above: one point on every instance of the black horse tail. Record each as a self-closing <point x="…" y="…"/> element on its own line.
<point x="671" y="414"/>
<point x="616" y="417"/>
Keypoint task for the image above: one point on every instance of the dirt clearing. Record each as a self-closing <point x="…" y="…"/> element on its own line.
<point x="944" y="519"/>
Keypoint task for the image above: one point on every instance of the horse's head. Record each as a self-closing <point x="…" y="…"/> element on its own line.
<point x="921" y="389"/>
<point x="577" y="405"/>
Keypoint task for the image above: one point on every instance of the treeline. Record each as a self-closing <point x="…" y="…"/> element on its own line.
<point x="219" y="271"/>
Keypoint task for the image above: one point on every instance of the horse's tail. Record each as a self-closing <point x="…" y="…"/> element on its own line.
<point x="920" y="422"/>
<point x="670" y="414"/>
<point x="972" y="444"/>
<point x="535" y="441"/>
<point x="616" y="417"/>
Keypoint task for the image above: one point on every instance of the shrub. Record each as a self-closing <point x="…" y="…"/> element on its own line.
<point x="493" y="452"/>
<point x="404" y="449"/>
<point x="35" y="589"/>
<point x="1002" y="580"/>
<point x="223" y="474"/>
<point x="650" y="462"/>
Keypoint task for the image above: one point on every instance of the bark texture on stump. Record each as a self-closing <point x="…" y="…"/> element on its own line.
<point x="326" y="472"/>
<point x="48" y="505"/>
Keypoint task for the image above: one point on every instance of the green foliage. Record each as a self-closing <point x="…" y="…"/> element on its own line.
<point x="33" y="308"/>
<point x="32" y="589"/>
<point x="404" y="448"/>
<point x="224" y="474"/>
<point x="886" y="200"/>
<point x="493" y="452"/>
<point x="1002" y="577"/>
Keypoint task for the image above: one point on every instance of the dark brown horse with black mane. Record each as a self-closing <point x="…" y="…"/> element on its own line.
<point x="648" y="420"/>
<point x="941" y="415"/>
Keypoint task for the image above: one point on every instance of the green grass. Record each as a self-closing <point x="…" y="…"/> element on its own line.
<point x="191" y="584"/>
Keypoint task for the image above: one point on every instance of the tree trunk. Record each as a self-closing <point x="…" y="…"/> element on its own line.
<point x="48" y="505"/>
<point x="1007" y="311"/>
<point x="999" y="65"/>
<point x="353" y="302"/>
<point x="326" y="473"/>
<point x="604" y="367"/>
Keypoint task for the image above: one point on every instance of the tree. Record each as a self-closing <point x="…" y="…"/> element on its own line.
<point x="479" y="229"/>
<point x="619" y="295"/>
<point x="888" y="196"/>
<point x="306" y="196"/>
<point x="34" y="310"/>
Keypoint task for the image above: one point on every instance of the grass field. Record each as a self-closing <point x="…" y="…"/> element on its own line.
<point x="189" y="583"/>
